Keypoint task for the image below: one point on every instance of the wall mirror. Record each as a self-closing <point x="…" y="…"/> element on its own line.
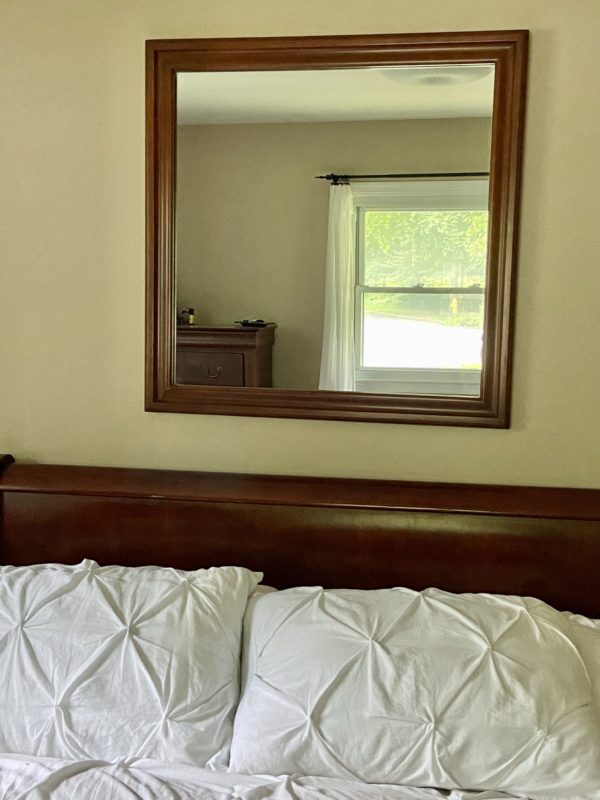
<point x="331" y="226"/>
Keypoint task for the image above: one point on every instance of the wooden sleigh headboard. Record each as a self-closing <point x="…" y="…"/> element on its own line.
<point x="543" y="542"/>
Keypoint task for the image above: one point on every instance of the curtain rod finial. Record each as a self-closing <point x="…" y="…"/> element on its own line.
<point x="335" y="179"/>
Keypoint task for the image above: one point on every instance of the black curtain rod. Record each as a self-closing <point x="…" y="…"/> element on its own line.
<point x="337" y="179"/>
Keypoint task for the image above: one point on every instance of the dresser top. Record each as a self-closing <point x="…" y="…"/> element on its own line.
<point x="225" y="328"/>
<point x="245" y="337"/>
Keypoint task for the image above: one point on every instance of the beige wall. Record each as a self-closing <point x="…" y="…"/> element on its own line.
<point x="72" y="248"/>
<point x="252" y="220"/>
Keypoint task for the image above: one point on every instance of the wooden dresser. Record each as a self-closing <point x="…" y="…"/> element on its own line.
<point x="224" y="355"/>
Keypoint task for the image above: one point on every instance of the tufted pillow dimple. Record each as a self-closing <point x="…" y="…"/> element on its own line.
<point x="418" y="688"/>
<point x="118" y="662"/>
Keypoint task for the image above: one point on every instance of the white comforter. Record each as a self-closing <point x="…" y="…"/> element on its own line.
<point x="34" y="778"/>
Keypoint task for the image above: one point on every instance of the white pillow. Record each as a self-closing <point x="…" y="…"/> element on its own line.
<point x="116" y="662"/>
<point x="586" y="634"/>
<point x="424" y="689"/>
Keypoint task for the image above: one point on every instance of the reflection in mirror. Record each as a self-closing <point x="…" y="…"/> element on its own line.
<point x="371" y="280"/>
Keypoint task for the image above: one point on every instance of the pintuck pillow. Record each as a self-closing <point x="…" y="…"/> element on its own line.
<point x="116" y="662"/>
<point x="426" y="689"/>
<point x="586" y="635"/>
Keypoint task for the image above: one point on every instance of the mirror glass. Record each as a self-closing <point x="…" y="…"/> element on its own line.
<point x="371" y="278"/>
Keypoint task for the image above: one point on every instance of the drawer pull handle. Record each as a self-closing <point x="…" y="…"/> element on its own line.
<point x="217" y="373"/>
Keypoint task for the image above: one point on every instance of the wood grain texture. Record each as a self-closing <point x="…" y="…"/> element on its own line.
<point x="352" y="493"/>
<point x="543" y="542"/>
<point x="507" y="50"/>
<point x="225" y="355"/>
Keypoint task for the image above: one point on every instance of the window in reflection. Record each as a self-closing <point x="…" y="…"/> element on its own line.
<point x="420" y="284"/>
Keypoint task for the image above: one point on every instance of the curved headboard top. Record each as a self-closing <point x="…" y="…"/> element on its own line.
<point x="368" y="534"/>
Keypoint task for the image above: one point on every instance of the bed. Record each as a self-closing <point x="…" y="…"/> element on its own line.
<point x="356" y="534"/>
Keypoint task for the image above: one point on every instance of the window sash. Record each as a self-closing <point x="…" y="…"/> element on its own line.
<point x="420" y="289"/>
<point x="364" y="373"/>
<point x="461" y="382"/>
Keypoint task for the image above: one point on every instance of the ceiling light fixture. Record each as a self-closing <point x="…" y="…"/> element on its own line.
<point x="438" y="76"/>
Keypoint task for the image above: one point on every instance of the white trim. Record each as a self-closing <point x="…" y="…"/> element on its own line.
<point x="419" y="381"/>
<point x="468" y="194"/>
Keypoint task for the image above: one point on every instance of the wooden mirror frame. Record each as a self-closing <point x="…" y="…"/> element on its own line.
<point x="506" y="50"/>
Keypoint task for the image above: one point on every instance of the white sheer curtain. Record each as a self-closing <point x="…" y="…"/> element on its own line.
<point x="337" y="357"/>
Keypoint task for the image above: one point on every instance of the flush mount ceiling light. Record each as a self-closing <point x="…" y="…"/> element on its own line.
<point x="438" y="76"/>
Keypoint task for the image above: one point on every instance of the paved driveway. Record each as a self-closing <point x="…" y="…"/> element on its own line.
<point x="393" y="342"/>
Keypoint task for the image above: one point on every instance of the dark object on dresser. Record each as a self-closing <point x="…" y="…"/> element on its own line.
<point x="224" y="355"/>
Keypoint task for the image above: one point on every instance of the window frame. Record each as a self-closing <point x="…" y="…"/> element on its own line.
<point x="422" y="194"/>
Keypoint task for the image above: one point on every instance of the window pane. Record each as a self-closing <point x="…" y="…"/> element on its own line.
<point x="432" y="248"/>
<point x="432" y="331"/>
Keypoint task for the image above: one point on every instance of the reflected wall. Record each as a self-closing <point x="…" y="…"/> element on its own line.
<point x="252" y="220"/>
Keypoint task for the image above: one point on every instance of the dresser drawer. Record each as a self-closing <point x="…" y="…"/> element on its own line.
<point x="209" y="368"/>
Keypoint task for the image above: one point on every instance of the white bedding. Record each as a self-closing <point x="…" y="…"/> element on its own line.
<point x="94" y="659"/>
<point x="37" y="778"/>
<point x="106" y="662"/>
<point x="417" y="688"/>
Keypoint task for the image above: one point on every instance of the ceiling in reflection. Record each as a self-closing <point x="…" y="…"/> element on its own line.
<point x="336" y="95"/>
